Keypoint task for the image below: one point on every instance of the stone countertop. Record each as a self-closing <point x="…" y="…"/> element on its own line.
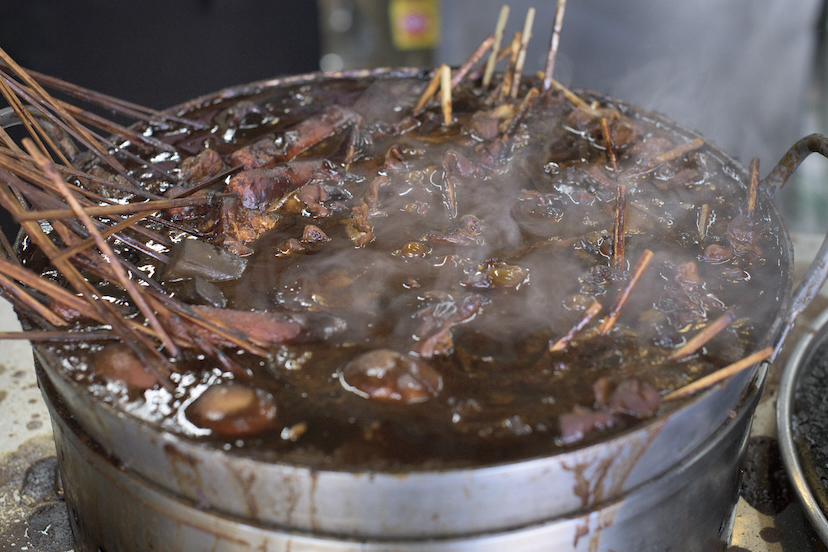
<point x="33" y="518"/>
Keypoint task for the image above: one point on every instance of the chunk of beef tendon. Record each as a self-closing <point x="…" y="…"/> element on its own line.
<point x="201" y="167"/>
<point x="628" y="396"/>
<point x="581" y="421"/>
<point x="260" y="188"/>
<point x="743" y="236"/>
<point x="189" y="212"/>
<point x="296" y="139"/>
<point x="265" y="328"/>
<point x="241" y="224"/>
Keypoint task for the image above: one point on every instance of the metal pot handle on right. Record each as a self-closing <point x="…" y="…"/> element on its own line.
<point x="817" y="272"/>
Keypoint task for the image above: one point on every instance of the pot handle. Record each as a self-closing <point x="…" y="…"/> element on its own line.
<point x="817" y="273"/>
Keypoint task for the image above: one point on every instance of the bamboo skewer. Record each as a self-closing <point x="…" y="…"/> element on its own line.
<point x="564" y="341"/>
<point x="638" y="270"/>
<point x="619" y="235"/>
<point x="89" y="242"/>
<point x="7" y="246"/>
<point x="31" y="302"/>
<point x="573" y="98"/>
<point x="29" y="123"/>
<point x="99" y="310"/>
<point x="605" y="132"/>
<point x="20" y="170"/>
<point x="524" y="44"/>
<point x="111" y="103"/>
<point x="704" y="220"/>
<point x="445" y="93"/>
<point x="509" y="73"/>
<point x="114" y="128"/>
<point x="430" y="90"/>
<point x="57" y="336"/>
<point x="47" y="288"/>
<point x="554" y="41"/>
<point x="753" y="187"/>
<point x="678" y="151"/>
<point x="119" y="271"/>
<point x="521" y="113"/>
<point x="498" y="38"/>
<point x="115" y="209"/>
<point x="699" y="340"/>
<point x="473" y="59"/>
<point x="720" y="375"/>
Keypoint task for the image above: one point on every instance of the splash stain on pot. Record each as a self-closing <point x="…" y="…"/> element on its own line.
<point x="246" y="481"/>
<point x="186" y="471"/>
<point x="314" y="481"/>
<point x="617" y="465"/>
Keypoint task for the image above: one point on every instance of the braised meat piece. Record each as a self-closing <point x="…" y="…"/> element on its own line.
<point x="202" y="166"/>
<point x="296" y="139"/>
<point x="260" y="188"/>
<point x="389" y="376"/>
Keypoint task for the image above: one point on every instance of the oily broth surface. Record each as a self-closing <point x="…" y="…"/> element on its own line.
<point x="502" y="394"/>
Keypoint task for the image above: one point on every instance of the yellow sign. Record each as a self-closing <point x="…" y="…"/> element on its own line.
<point x="415" y="24"/>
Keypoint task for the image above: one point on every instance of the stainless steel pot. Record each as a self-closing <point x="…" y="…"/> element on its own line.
<point x="669" y="484"/>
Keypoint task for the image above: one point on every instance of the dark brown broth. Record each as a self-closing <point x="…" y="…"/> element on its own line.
<point x="502" y="393"/>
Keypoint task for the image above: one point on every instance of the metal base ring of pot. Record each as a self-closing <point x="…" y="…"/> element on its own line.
<point x="689" y="508"/>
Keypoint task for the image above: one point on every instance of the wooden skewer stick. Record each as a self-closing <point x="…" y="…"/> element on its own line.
<point x="31" y="302"/>
<point x="7" y="246"/>
<point x="112" y="230"/>
<point x="29" y="122"/>
<point x="521" y="112"/>
<point x="126" y="282"/>
<point x="638" y="270"/>
<point x="430" y="90"/>
<point x="473" y="59"/>
<point x="448" y="182"/>
<point x="605" y="132"/>
<point x="719" y="375"/>
<point x="704" y="220"/>
<point x="754" y="186"/>
<point x="498" y="38"/>
<point x="698" y="340"/>
<point x="564" y="341"/>
<point x="619" y="235"/>
<point x="46" y="287"/>
<point x="678" y="151"/>
<point x="111" y="103"/>
<point x="58" y="336"/>
<point x="445" y="89"/>
<point x="114" y="128"/>
<point x="524" y="44"/>
<point x="509" y="73"/>
<point x="116" y="209"/>
<point x="129" y="330"/>
<point x="573" y="98"/>
<point x="38" y="97"/>
<point x="554" y="41"/>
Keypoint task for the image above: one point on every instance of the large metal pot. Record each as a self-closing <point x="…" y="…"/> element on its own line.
<point x="668" y="484"/>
